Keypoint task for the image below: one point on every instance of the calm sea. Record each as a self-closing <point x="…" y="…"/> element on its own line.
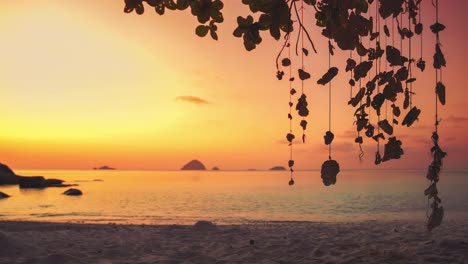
<point x="176" y="197"/>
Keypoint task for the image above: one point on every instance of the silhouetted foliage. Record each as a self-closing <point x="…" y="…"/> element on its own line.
<point x="347" y="25"/>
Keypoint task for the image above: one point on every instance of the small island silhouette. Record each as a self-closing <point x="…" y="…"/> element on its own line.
<point x="278" y="168"/>
<point x="194" y="165"/>
<point x="105" y="167"/>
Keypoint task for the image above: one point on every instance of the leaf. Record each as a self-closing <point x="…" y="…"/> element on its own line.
<point x="305" y="51"/>
<point x="303" y="75"/>
<point x="202" y="30"/>
<point x="327" y="77"/>
<point x="286" y="62"/>
<point x="213" y="33"/>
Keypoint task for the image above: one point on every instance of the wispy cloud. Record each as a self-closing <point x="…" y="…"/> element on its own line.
<point x="191" y="99"/>
<point x="456" y="119"/>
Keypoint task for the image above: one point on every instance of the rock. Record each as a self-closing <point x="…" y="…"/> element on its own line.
<point x="3" y="195"/>
<point x="73" y="192"/>
<point x="278" y="168"/>
<point x="7" y="176"/>
<point x="194" y="165"/>
<point x="5" y="169"/>
<point x="51" y="182"/>
<point x="204" y="226"/>
<point x="105" y="167"/>
<point x="215" y="169"/>
<point x="32" y="182"/>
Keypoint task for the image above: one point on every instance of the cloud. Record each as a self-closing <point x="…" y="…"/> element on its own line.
<point x="191" y="99"/>
<point x="456" y="119"/>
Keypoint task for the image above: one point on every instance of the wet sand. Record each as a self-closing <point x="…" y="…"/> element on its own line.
<point x="262" y="242"/>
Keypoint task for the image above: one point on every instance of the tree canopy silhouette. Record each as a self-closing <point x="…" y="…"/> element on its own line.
<point x="346" y="25"/>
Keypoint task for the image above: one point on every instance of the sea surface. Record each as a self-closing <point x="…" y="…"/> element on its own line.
<point x="232" y="197"/>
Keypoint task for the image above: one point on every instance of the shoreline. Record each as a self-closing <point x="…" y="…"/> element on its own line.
<point x="262" y="242"/>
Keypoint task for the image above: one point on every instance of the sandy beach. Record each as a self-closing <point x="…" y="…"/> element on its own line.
<point x="262" y="242"/>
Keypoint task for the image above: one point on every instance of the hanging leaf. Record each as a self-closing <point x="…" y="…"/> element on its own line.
<point x="394" y="56"/>
<point x="437" y="27"/>
<point x="293" y="91"/>
<point x="286" y="62"/>
<point x="361" y="70"/>
<point x="290" y="137"/>
<point x="418" y="28"/>
<point x="291" y="163"/>
<point x="370" y="131"/>
<point x="327" y="77"/>
<point x="358" y="140"/>
<point x="411" y="116"/>
<point x="386" y="127"/>
<point x="291" y="182"/>
<point x="301" y="106"/>
<point x="439" y="59"/>
<point x="440" y="91"/>
<point x="279" y="75"/>
<point x="303" y="75"/>
<point x="303" y="124"/>
<point x="202" y="30"/>
<point x="386" y="31"/>
<point x="421" y="64"/>
<point x="350" y="64"/>
<point x="329" y="171"/>
<point x="378" y="159"/>
<point x="305" y="51"/>
<point x="329" y="136"/>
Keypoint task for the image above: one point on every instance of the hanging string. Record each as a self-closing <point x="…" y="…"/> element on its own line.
<point x="385" y="63"/>
<point x="377" y="69"/>
<point x="291" y="181"/>
<point x="329" y="102"/>
<point x="302" y="60"/>
<point x="410" y="61"/>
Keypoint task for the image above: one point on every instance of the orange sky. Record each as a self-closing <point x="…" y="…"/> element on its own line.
<point x="83" y="84"/>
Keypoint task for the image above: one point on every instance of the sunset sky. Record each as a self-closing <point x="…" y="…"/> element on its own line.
<point x="82" y="85"/>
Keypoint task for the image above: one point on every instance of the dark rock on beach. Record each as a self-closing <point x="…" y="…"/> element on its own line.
<point x="215" y="169"/>
<point x="7" y="176"/>
<point x="3" y="195"/>
<point x="194" y="165"/>
<point x="73" y="192"/>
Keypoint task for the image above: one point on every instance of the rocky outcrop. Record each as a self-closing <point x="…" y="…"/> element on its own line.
<point x="215" y="168"/>
<point x="3" y="195"/>
<point x="39" y="182"/>
<point x="32" y="182"/>
<point x="73" y="192"/>
<point x="194" y="165"/>
<point x="105" y="167"/>
<point x="7" y="176"/>
<point x="278" y="168"/>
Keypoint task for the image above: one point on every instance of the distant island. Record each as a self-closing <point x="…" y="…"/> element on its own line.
<point x="278" y="168"/>
<point x="105" y="167"/>
<point x="215" y="168"/>
<point x="194" y="165"/>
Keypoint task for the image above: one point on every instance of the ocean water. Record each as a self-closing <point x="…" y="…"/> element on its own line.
<point x="230" y="197"/>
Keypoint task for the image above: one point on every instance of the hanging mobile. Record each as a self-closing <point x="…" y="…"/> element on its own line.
<point x="330" y="168"/>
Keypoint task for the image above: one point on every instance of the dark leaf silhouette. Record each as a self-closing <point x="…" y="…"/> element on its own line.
<point x="329" y="136"/>
<point x="392" y="149"/>
<point x="327" y="77"/>
<point x="303" y="124"/>
<point x="440" y="91"/>
<point x="286" y="62"/>
<point x="385" y="126"/>
<point x="437" y="27"/>
<point x="439" y="59"/>
<point x="421" y="64"/>
<point x="303" y="75"/>
<point x="361" y="70"/>
<point x="350" y="64"/>
<point x="411" y="116"/>
<point x="329" y="171"/>
<point x="301" y="106"/>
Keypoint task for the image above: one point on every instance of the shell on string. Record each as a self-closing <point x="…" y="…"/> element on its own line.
<point x="330" y="170"/>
